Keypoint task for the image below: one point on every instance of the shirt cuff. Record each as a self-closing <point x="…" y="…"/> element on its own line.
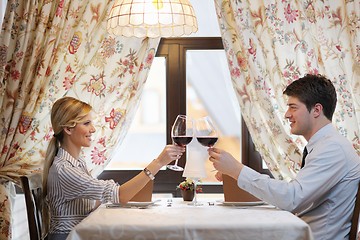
<point x="116" y="191"/>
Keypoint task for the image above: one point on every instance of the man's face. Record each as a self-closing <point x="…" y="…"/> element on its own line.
<point x="300" y="119"/>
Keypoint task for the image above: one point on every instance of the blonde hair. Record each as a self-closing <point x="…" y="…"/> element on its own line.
<point x="65" y="113"/>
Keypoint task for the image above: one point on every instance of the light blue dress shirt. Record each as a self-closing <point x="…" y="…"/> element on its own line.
<point x="323" y="192"/>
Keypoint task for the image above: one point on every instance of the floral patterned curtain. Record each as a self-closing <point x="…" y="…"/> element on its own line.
<point x="49" y="49"/>
<point x="269" y="44"/>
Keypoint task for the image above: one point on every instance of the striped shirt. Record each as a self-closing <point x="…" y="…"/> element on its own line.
<point x="72" y="192"/>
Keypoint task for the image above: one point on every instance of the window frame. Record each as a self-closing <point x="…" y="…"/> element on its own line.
<point x="174" y="50"/>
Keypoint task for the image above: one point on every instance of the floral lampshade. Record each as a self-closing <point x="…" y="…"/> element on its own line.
<point x="152" y="18"/>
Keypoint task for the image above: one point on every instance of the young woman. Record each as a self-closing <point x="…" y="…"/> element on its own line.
<point x="70" y="191"/>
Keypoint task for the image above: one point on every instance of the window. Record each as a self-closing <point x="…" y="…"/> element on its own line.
<point x="177" y="55"/>
<point x="146" y="136"/>
<point x="209" y="92"/>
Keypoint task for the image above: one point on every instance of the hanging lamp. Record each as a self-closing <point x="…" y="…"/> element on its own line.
<point x="152" y="18"/>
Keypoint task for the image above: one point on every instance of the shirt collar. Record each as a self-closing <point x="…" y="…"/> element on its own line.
<point x="62" y="153"/>
<point x="319" y="135"/>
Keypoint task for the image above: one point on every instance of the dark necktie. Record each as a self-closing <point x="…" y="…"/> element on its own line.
<point x="305" y="153"/>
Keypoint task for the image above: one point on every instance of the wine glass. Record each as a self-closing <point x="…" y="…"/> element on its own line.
<point x="205" y="132"/>
<point x="181" y="134"/>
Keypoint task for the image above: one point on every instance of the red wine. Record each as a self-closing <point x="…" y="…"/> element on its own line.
<point x="207" y="141"/>
<point x="182" y="141"/>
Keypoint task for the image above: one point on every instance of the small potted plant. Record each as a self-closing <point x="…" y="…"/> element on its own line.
<point x="187" y="189"/>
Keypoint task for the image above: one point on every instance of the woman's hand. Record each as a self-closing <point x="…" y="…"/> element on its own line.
<point x="169" y="154"/>
<point x="225" y="163"/>
<point x="134" y="185"/>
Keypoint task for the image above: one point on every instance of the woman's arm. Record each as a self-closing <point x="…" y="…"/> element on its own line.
<point x="129" y="189"/>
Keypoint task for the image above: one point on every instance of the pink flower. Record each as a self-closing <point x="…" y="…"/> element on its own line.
<point x="60" y="8"/>
<point x="290" y="14"/>
<point x="115" y="117"/>
<point x="32" y="135"/>
<point x="241" y="60"/>
<point x="235" y="72"/>
<point x="67" y="83"/>
<point x="47" y="137"/>
<point x="150" y="57"/>
<point x="97" y="156"/>
<point x="69" y="69"/>
<point x="102" y="141"/>
<point x="4" y="150"/>
<point x="286" y="74"/>
<point x="15" y="74"/>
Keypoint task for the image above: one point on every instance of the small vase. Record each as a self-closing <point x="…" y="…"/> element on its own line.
<point x="187" y="195"/>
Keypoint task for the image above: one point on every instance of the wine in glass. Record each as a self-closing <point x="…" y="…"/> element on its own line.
<point x="181" y="134"/>
<point x="205" y="132"/>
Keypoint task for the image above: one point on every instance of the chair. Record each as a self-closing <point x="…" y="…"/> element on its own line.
<point x="32" y="188"/>
<point x="145" y="194"/>
<point x="232" y="193"/>
<point x="355" y="217"/>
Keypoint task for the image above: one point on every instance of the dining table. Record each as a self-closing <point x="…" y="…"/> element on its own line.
<point x="173" y="218"/>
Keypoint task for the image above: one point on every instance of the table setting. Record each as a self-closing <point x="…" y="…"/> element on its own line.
<point x="173" y="218"/>
<point x="207" y="216"/>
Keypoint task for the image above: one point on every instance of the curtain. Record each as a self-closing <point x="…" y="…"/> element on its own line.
<point x="49" y="49"/>
<point x="268" y="45"/>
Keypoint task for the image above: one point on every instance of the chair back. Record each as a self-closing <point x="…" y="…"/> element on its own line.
<point x="232" y="192"/>
<point x="32" y="188"/>
<point x="145" y="194"/>
<point x="355" y="217"/>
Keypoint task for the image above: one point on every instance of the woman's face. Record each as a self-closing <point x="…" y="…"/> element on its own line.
<point x="81" y="134"/>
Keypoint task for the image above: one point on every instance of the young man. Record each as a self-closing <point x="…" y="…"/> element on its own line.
<point x="323" y="192"/>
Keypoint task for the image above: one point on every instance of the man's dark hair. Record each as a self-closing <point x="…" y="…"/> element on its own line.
<point x="313" y="89"/>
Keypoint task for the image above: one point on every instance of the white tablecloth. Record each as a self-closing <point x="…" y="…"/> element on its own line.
<point x="182" y="221"/>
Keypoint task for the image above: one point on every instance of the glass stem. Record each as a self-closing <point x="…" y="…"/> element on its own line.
<point x="177" y="157"/>
<point x="195" y="199"/>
